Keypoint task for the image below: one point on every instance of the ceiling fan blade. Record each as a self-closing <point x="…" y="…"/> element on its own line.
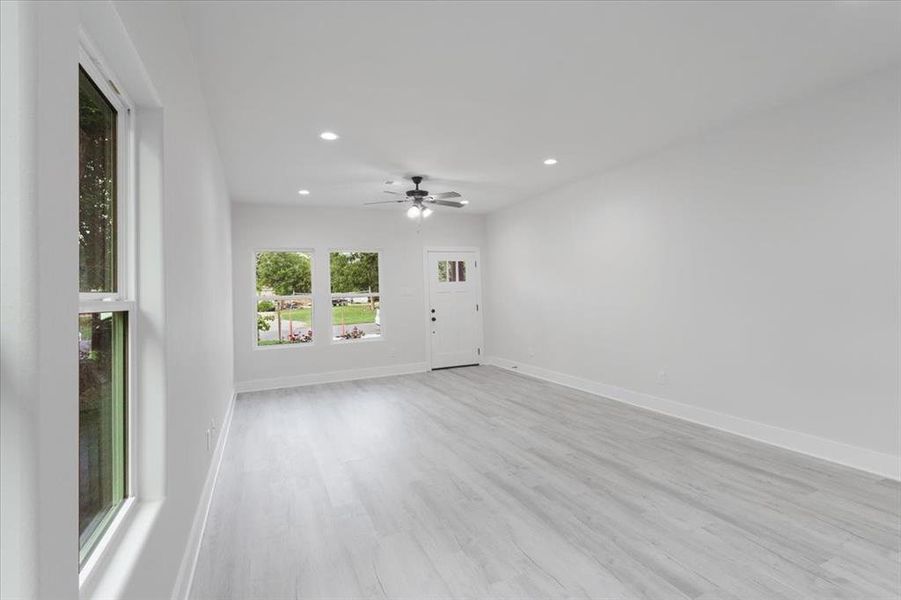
<point x="445" y="195"/>
<point x="394" y="193"/>
<point x="384" y="202"/>
<point x="446" y="203"/>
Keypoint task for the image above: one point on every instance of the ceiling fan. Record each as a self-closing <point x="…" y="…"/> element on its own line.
<point x="422" y="200"/>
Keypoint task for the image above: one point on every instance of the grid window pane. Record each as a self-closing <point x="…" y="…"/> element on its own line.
<point x="284" y="320"/>
<point x="356" y="305"/>
<point x="284" y="301"/>
<point x="442" y="271"/>
<point x="354" y="272"/>
<point x="461" y="270"/>
<point x="97" y="188"/>
<point x="355" y="317"/>
<point x="284" y="273"/>
<point x="102" y="344"/>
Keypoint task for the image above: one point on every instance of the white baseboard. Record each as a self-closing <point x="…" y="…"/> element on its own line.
<point x="256" y="385"/>
<point x="192" y="550"/>
<point x="885" y="465"/>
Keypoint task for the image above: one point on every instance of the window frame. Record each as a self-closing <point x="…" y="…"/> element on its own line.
<point x="332" y="296"/>
<point x="256" y="297"/>
<point x="123" y="299"/>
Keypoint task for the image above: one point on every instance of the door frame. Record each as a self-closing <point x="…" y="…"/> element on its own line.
<point x="427" y="296"/>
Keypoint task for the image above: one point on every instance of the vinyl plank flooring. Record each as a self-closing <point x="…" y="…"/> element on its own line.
<point x="482" y="483"/>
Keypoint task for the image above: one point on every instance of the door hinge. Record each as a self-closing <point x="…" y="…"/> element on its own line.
<point x="479" y="351"/>
<point x="477" y="308"/>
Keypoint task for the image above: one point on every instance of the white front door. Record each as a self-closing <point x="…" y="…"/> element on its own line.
<point x="454" y="317"/>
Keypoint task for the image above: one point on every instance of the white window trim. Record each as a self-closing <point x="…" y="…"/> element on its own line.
<point x="124" y="299"/>
<point x="332" y="295"/>
<point x="257" y="297"/>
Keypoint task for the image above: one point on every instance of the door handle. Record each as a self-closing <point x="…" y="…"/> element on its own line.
<point x="434" y="319"/>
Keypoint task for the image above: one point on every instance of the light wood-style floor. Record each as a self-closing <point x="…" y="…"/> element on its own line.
<point x="478" y="483"/>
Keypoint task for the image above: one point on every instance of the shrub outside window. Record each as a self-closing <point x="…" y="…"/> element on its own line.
<point x="356" y="303"/>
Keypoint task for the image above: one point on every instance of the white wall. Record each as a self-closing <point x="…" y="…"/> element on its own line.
<point x="197" y="263"/>
<point x="184" y="250"/>
<point x="402" y="345"/>
<point x="27" y="525"/>
<point x="757" y="266"/>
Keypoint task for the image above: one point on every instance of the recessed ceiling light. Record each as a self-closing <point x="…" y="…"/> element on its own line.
<point x="328" y="135"/>
<point x="303" y="192"/>
<point x="464" y="201"/>
<point x="550" y="161"/>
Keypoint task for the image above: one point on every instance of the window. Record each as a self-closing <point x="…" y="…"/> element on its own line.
<point x="97" y="189"/>
<point x="104" y="307"/>
<point x="356" y="310"/>
<point x="451" y="271"/>
<point x="284" y="298"/>
<point x="101" y="427"/>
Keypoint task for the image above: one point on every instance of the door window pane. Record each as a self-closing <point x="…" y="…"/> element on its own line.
<point x="97" y="188"/>
<point x="451" y="271"/>
<point x="102" y="345"/>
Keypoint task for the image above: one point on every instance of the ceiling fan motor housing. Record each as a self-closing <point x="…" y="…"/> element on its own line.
<point x="417" y="193"/>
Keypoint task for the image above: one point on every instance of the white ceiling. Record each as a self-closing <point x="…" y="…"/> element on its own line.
<point x="475" y="95"/>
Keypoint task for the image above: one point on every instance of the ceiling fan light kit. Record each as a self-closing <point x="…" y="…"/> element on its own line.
<point x="422" y="200"/>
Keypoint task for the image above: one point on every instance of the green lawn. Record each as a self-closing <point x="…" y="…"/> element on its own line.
<point x="351" y="314"/>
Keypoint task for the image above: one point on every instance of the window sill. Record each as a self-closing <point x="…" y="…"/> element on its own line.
<point x="109" y="538"/>
<point x="105" y="573"/>
<point x="362" y="340"/>
<point x="284" y="346"/>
